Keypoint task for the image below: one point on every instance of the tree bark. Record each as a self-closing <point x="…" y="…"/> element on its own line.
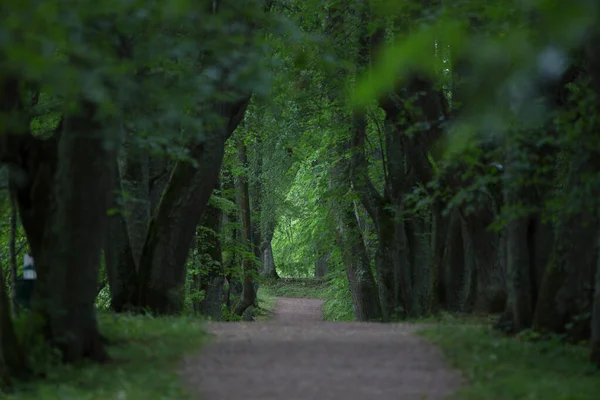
<point x="485" y="258"/>
<point x="362" y="284"/>
<point x="12" y="249"/>
<point x="567" y="289"/>
<point x="162" y="267"/>
<point x="211" y="276"/>
<point x="68" y="262"/>
<point x="456" y="286"/>
<point x="248" y="295"/>
<point x="118" y="255"/>
<point x="528" y="239"/>
<point x="134" y="175"/>
<point x="321" y="260"/>
<point x="269" y="270"/>
<point x="595" y="323"/>
<point x="439" y="231"/>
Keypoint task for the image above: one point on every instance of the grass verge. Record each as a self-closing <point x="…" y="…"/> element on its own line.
<point x="501" y="368"/>
<point x="266" y="304"/>
<point x="146" y="353"/>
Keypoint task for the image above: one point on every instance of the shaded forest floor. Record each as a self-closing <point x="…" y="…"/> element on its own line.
<point x="298" y="356"/>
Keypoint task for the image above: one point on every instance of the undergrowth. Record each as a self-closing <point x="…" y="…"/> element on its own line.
<point x="505" y="368"/>
<point x="145" y="355"/>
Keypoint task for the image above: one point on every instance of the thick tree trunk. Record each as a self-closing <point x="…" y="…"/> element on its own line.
<point x="362" y="284"/>
<point x="134" y="174"/>
<point x="68" y="262"/>
<point x="321" y="261"/>
<point x="519" y="274"/>
<point x="529" y="241"/>
<point x="566" y="293"/>
<point x="269" y="270"/>
<point x="418" y="237"/>
<point x="456" y="279"/>
<point x="172" y="227"/>
<point x="484" y="255"/>
<point x="439" y="231"/>
<point x="120" y="264"/>
<point x="211" y="276"/>
<point x="159" y="172"/>
<point x="386" y="264"/>
<point x="12" y="249"/>
<point x="248" y="295"/>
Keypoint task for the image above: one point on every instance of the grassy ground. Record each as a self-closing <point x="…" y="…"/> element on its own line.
<point x="266" y="304"/>
<point x="145" y="358"/>
<point x="289" y="287"/>
<point x="500" y="368"/>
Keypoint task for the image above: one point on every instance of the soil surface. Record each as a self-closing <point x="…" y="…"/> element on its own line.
<point x="298" y="356"/>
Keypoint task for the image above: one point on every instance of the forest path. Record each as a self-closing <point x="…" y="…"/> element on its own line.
<point x="298" y="356"/>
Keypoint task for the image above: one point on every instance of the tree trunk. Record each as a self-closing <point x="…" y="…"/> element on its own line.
<point x="439" y="231"/>
<point x="386" y="264"/>
<point x="321" y="260"/>
<point x="566" y="294"/>
<point x="595" y="324"/>
<point x="211" y="276"/>
<point x="528" y="239"/>
<point x="13" y="253"/>
<point x="456" y="279"/>
<point x="484" y="255"/>
<point x="134" y="174"/>
<point x="68" y="262"/>
<point x="172" y="227"/>
<point x="248" y="295"/>
<point x="418" y="237"/>
<point x="120" y="264"/>
<point x="269" y="271"/>
<point x="362" y="284"/>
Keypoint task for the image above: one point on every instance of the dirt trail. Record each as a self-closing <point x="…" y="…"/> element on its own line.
<point x="298" y="356"/>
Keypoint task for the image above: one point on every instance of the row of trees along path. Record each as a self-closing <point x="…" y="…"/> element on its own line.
<point x="297" y="356"/>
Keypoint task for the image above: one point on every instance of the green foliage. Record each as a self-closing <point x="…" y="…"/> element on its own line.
<point x="499" y="368"/>
<point x="266" y="302"/>
<point x="339" y="305"/>
<point x="303" y="228"/>
<point x="146" y="354"/>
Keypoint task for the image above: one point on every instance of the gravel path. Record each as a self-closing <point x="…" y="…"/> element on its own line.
<point x="298" y="356"/>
